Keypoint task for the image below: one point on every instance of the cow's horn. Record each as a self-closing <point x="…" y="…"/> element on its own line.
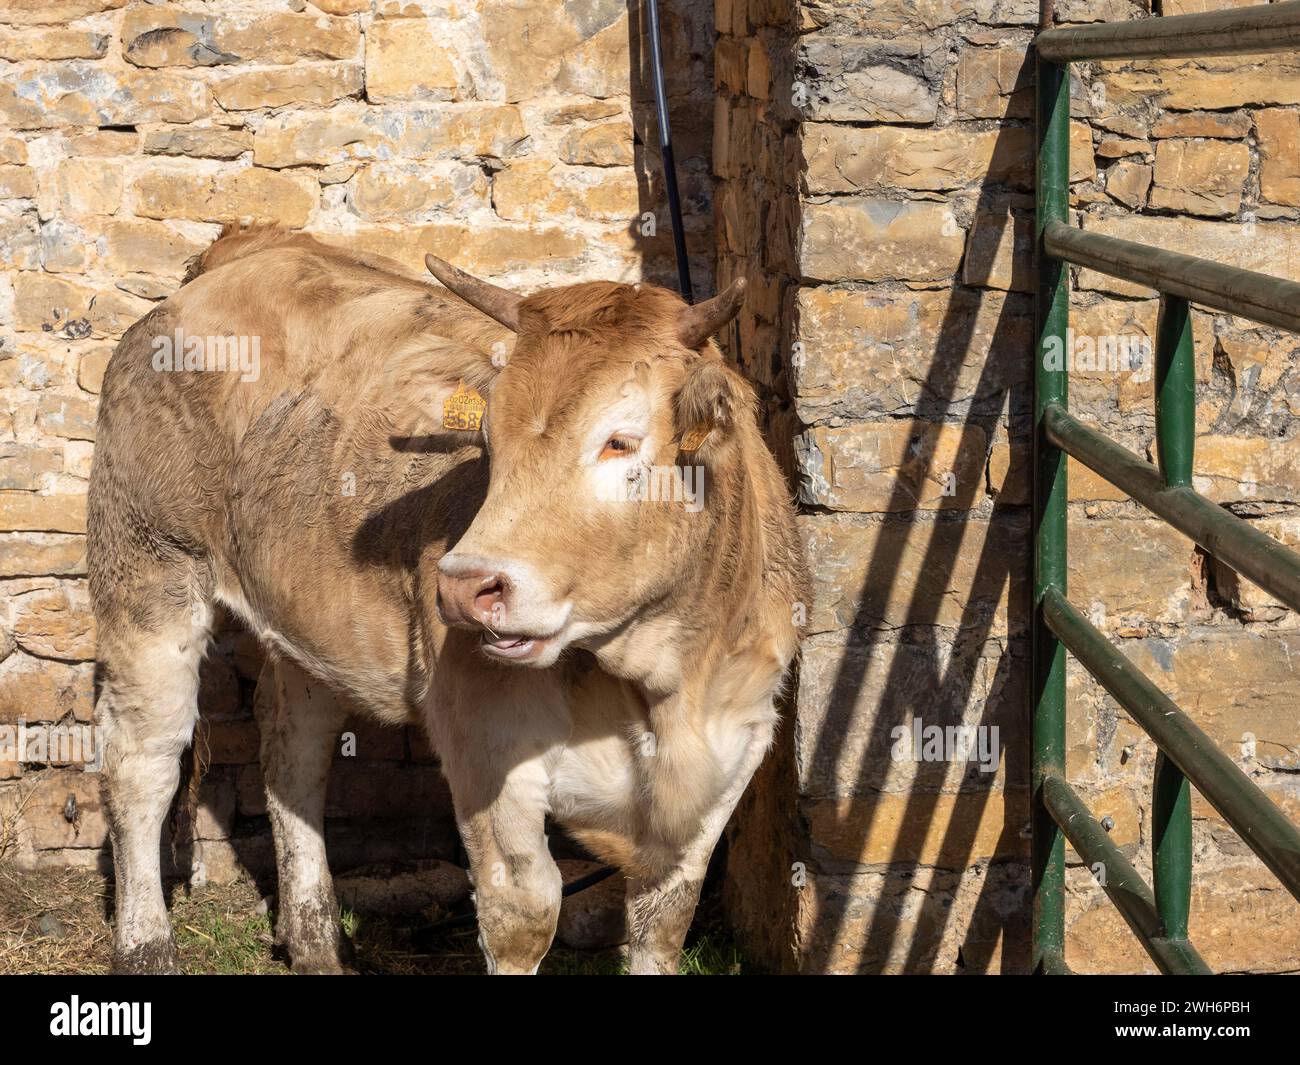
<point x="700" y="322"/>
<point x="492" y="300"/>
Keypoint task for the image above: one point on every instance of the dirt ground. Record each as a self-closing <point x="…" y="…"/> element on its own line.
<point x="57" y="922"/>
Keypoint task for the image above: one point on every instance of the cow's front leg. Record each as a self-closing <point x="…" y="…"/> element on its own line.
<point x="496" y="731"/>
<point x="660" y="908"/>
<point x="516" y="884"/>
<point x="300" y="720"/>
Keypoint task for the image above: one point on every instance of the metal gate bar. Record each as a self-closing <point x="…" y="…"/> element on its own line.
<point x="1261" y="825"/>
<point x="1159" y="919"/>
<point x="1227" y="537"/>
<point x="1265" y="299"/>
<point x="1126" y="888"/>
<point x="1266" y="28"/>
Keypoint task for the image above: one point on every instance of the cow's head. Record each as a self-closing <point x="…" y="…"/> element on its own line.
<point x="604" y="429"/>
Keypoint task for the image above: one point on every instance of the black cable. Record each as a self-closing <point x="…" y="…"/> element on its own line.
<point x="465" y="920"/>
<point x="666" y="152"/>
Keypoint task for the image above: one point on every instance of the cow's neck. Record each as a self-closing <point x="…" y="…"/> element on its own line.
<point x="714" y="611"/>
<point x="711" y="651"/>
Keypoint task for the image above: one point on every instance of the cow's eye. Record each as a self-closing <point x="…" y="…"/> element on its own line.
<point x="619" y="446"/>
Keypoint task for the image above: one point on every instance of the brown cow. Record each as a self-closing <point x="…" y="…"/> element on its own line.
<point x="387" y="564"/>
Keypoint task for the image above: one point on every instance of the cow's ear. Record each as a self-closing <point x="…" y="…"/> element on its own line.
<point x="436" y="388"/>
<point x="707" y="407"/>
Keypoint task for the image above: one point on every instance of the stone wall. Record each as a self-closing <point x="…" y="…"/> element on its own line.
<point x="507" y="137"/>
<point x="895" y="333"/>
<point x="867" y="164"/>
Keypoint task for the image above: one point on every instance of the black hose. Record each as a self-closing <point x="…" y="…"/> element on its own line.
<point x="666" y="152"/>
<point x="465" y="920"/>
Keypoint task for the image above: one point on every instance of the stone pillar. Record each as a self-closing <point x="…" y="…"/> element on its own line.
<point x="874" y="164"/>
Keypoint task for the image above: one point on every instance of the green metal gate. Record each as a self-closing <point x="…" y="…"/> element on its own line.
<point x="1159" y="918"/>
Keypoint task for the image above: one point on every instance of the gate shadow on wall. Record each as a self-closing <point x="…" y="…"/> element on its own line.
<point x="925" y="680"/>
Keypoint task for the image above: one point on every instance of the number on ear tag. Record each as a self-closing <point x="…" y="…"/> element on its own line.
<point x="693" y="438"/>
<point x="463" y="409"/>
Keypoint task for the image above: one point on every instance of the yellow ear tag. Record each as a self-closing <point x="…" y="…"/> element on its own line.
<point x="693" y="438"/>
<point x="463" y="409"/>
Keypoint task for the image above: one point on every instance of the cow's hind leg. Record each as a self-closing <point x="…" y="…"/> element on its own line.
<point x="148" y="674"/>
<point x="300" y="719"/>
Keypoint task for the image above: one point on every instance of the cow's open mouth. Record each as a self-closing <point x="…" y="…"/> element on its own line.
<point x="515" y="648"/>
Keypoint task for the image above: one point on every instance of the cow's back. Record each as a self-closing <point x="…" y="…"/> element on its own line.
<point x="312" y="474"/>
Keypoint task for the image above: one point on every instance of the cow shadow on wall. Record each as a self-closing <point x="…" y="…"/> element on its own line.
<point x="947" y="841"/>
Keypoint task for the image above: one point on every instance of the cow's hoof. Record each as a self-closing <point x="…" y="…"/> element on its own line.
<point x="324" y="959"/>
<point x="317" y="965"/>
<point x="321" y="963"/>
<point x="157" y="958"/>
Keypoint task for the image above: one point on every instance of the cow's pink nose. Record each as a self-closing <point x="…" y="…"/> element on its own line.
<point x="473" y="598"/>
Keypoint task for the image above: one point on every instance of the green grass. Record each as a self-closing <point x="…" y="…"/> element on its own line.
<point x="215" y="937"/>
<point x="709" y="956"/>
<point x="392" y="946"/>
<point x="225" y="929"/>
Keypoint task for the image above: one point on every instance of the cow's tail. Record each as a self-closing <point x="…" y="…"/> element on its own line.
<point x="185" y="803"/>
